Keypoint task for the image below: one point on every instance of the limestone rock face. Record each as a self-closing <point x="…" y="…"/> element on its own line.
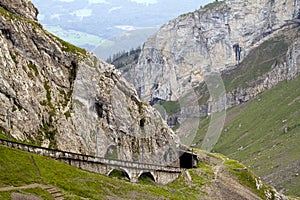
<point x="104" y="104"/>
<point x="60" y="96"/>
<point x="23" y="8"/>
<point x="287" y="70"/>
<point x="214" y="38"/>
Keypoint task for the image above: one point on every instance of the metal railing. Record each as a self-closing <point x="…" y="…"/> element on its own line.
<point x="65" y="155"/>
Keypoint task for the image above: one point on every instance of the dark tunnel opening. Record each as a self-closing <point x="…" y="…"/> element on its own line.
<point x="146" y="177"/>
<point x="188" y="160"/>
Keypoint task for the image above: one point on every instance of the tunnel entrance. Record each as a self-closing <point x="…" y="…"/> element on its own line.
<point x="146" y="178"/>
<point x="120" y="174"/>
<point x="188" y="160"/>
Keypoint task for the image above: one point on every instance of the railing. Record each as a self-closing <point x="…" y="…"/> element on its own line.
<point x="64" y="155"/>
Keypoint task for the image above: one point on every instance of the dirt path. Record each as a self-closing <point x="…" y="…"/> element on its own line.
<point x="226" y="186"/>
<point x="55" y="192"/>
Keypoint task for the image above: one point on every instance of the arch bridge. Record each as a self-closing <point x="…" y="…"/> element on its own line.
<point x="133" y="170"/>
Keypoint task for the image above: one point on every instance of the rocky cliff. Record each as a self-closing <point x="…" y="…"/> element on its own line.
<point x="57" y="95"/>
<point x="216" y="38"/>
<point x="252" y="45"/>
<point x="274" y="60"/>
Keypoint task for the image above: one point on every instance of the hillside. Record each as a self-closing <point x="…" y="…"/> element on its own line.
<point x="216" y="177"/>
<point x="250" y="47"/>
<point x="57" y="95"/>
<point x="264" y="135"/>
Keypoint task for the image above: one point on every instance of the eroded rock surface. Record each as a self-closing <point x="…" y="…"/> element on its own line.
<point x="60" y="96"/>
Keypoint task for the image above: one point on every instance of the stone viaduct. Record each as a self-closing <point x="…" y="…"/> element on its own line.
<point x="133" y="170"/>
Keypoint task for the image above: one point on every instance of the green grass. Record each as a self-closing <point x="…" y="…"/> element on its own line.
<point x="247" y="178"/>
<point x="33" y="191"/>
<point x="33" y="67"/>
<point x="19" y="168"/>
<point x="205" y="168"/>
<point x="16" y="168"/>
<point x="212" y="5"/>
<point x="268" y="129"/>
<point x="146" y="179"/>
<point x="4" y="136"/>
<point x="7" y="137"/>
<point x="116" y="173"/>
<point x="171" y="107"/>
<point x="7" y="14"/>
<point x="67" y="47"/>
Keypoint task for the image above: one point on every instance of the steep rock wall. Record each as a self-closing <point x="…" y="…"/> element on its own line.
<point x="60" y="96"/>
<point x="215" y="38"/>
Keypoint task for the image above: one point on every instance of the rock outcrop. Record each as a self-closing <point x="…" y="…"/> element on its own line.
<point x="23" y="8"/>
<point x="215" y="38"/>
<point x="283" y="65"/>
<point x="60" y="96"/>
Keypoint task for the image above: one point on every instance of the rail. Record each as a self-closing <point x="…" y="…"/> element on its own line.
<point x="65" y="155"/>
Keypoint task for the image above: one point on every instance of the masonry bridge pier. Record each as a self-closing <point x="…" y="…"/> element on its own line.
<point x="133" y="170"/>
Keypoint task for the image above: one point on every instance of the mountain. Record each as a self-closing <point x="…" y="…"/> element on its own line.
<point x="216" y="38"/>
<point x="54" y="94"/>
<point x="57" y="95"/>
<point x="100" y="25"/>
<point x="227" y="54"/>
<point x="216" y="177"/>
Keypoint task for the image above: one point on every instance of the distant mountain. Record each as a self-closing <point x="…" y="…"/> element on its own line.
<point x="88" y="23"/>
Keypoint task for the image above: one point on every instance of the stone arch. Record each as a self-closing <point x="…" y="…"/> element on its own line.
<point x="119" y="172"/>
<point x="149" y="176"/>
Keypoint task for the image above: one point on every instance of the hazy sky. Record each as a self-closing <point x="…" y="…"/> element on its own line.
<point x="145" y="1"/>
<point x="155" y="1"/>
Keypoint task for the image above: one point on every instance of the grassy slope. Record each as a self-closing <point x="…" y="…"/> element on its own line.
<point x="268" y="129"/>
<point x="38" y="192"/>
<point x="259" y="126"/>
<point x="19" y="168"/>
